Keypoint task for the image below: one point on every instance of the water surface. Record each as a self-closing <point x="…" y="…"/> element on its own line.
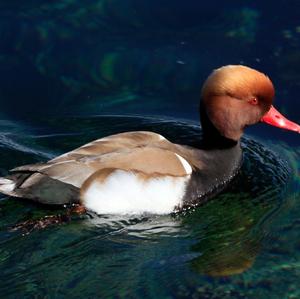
<point x="64" y="62"/>
<point x="241" y="244"/>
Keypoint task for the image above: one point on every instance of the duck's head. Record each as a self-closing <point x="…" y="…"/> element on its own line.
<point x="237" y="96"/>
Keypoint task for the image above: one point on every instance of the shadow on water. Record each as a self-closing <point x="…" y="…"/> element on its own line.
<point x="203" y="252"/>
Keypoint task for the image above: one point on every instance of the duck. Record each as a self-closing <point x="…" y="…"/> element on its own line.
<point x="142" y="171"/>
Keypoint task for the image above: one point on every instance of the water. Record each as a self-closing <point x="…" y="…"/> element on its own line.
<point x="242" y="244"/>
<point x="73" y="72"/>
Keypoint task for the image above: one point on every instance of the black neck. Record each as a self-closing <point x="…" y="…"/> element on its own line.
<point x="211" y="136"/>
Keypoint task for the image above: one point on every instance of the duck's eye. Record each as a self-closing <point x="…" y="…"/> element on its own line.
<point x="253" y="101"/>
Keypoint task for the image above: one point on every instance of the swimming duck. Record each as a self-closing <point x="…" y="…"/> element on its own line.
<point x="137" y="172"/>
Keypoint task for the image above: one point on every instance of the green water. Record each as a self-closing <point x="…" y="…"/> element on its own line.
<point x="69" y="57"/>
<point x="242" y="244"/>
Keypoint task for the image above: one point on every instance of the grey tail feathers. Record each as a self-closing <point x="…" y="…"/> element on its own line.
<point x="39" y="187"/>
<point x="7" y="186"/>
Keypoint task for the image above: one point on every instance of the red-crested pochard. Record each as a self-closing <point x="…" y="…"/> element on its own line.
<point x="139" y="172"/>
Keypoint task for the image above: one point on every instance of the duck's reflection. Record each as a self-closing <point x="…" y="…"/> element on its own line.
<point x="229" y="232"/>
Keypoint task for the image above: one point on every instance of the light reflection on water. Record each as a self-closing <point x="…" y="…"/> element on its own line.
<point x="238" y="245"/>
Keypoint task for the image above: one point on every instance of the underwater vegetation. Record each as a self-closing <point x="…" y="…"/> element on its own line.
<point x="63" y="62"/>
<point x="73" y="58"/>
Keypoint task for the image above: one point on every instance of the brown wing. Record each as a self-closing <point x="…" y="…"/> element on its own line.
<point x="143" y="151"/>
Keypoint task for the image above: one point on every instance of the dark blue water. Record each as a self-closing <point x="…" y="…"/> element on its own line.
<point x="64" y="62"/>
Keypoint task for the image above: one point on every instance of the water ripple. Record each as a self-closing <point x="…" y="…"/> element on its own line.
<point x="236" y="235"/>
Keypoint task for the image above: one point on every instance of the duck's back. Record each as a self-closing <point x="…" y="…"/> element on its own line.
<point x="140" y="169"/>
<point x="147" y="152"/>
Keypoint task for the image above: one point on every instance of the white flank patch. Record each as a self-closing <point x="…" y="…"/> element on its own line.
<point x="187" y="167"/>
<point x="86" y="145"/>
<point x="6" y="185"/>
<point x="160" y="137"/>
<point x="125" y="193"/>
